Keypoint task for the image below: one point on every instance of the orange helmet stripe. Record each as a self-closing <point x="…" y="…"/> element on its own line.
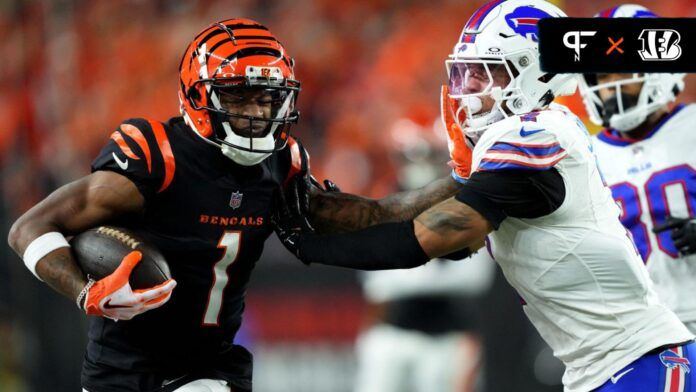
<point x="167" y="154"/>
<point x="116" y="136"/>
<point x="139" y="138"/>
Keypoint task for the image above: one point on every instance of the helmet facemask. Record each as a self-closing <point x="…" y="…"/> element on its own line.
<point x="625" y="112"/>
<point x="481" y="89"/>
<point x="250" y="117"/>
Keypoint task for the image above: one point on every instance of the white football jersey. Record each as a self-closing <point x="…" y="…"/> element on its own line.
<point x="650" y="179"/>
<point x="584" y="285"/>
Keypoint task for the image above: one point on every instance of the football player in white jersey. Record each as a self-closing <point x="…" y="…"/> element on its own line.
<point x="531" y="187"/>
<point x="646" y="155"/>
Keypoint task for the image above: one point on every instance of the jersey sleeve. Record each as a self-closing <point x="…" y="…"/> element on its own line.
<point x="519" y="194"/>
<point x="528" y="148"/>
<point x="139" y="150"/>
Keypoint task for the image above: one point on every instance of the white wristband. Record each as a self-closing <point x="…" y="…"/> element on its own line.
<point x="42" y="246"/>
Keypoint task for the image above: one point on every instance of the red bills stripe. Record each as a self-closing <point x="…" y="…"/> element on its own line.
<point x="675" y="377"/>
<point x="480" y="14"/>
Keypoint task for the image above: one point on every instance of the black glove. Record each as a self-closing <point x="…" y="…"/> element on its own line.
<point x="683" y="233"/>
<point x="299" y="194"/>
<point x="287" y="226"/>
<point x="329" y="186"/>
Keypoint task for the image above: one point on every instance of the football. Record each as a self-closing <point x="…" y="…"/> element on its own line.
<point x="99" y="252"/>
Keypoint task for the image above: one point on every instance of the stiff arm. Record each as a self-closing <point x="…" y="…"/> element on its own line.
<point x="442" y="230"/>
<point x="334" y="212"/>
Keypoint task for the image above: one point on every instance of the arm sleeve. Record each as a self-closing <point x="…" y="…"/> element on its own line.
<point x="133" y="151"/>
<point x="385" y="246"/>
<point x="516" y="193"/>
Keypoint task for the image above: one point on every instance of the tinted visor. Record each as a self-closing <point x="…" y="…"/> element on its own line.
<point x="476" y="77"/>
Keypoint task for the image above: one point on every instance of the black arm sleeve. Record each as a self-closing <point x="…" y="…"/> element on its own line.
<point x="519" y="194"/>
<point x="385" y="246"/>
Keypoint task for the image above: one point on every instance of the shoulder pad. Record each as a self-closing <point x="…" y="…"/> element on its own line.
<point x="144" y="143"/>
<point x="520" y="143"/>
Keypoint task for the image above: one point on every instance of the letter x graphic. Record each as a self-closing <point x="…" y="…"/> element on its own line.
<point x="615" y="45"/>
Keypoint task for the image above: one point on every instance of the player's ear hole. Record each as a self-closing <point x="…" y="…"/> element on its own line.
<point x="194" y="94"/>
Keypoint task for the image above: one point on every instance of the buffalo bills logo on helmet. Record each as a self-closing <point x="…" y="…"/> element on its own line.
<point x="672" y="360"/>
<point x="523" y="21"/>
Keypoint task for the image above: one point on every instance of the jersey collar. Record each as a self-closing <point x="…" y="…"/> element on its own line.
<point x="613" y="137"/>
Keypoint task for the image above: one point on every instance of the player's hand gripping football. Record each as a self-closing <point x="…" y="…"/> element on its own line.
<point x="113" y="297"/>
<point x="460" y="152"/>
<point x="683" y="233"/>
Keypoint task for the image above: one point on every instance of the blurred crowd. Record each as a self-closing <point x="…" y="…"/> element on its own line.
<point x="72" y="70"/>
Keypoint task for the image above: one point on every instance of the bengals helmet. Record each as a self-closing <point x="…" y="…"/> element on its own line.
<point x="229" y="64"/>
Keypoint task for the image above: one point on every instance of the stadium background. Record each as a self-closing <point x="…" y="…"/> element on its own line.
<point x="370" y="73"/>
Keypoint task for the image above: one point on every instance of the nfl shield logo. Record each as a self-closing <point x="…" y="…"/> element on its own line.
<point x="236" y="199"/>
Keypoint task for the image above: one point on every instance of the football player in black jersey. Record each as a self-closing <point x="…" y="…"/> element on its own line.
<point x="200" y="187"/>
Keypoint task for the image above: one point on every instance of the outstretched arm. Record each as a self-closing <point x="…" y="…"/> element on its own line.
<point x="456" y="224"/>
<point x="333" y="212"/>
<point x="441" y="230"/>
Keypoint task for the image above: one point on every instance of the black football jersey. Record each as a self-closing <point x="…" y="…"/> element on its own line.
<point x="210" y="218"/>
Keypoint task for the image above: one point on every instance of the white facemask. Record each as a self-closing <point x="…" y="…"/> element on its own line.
<point x="246" y="158"/>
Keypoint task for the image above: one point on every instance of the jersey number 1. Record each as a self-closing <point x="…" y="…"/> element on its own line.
<point x="230" y="243"/>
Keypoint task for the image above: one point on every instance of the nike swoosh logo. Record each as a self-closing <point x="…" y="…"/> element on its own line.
<point x="524" y="133"/>
<point x="616" y="378"/>
<point x="107" y="305"/>
<point x="123" y="165"/>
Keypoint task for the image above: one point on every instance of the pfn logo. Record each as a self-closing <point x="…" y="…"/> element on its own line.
<point x="660" y="45"/>
<point x="575" y="44"/>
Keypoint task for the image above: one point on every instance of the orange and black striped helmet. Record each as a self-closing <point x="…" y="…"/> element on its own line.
<point x="239" y="61"/>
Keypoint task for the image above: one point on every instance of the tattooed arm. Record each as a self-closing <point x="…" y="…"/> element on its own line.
<point x="333" y="212"/>
<point x="441" y="230"/>
<point x="449" y="227"/>
<point x="69" y="210"/>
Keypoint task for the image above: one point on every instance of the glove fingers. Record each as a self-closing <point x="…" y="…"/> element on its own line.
<point x="331" y="186"/>
<point x="305" y="160"/>
<point x="295" y="206"/>
<point x="445" y="109"/>
<point x="670" y="223"/>
<point x="157" y="291"/>
<point x="448" y="117"/>
<point x="677" y="233"/>
<point x="304" y="193"/>
<point x="157" y="302"/>
<point x="281" y="206"/>
<point x="687" y="250"/>
<point x="128" y="263"/>
<point x="117" y="280"/>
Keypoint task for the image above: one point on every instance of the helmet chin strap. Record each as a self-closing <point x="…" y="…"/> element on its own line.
<point x="475" y="126"/>
<point x="621" y="112"/>
<point x="242" y="157"/>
